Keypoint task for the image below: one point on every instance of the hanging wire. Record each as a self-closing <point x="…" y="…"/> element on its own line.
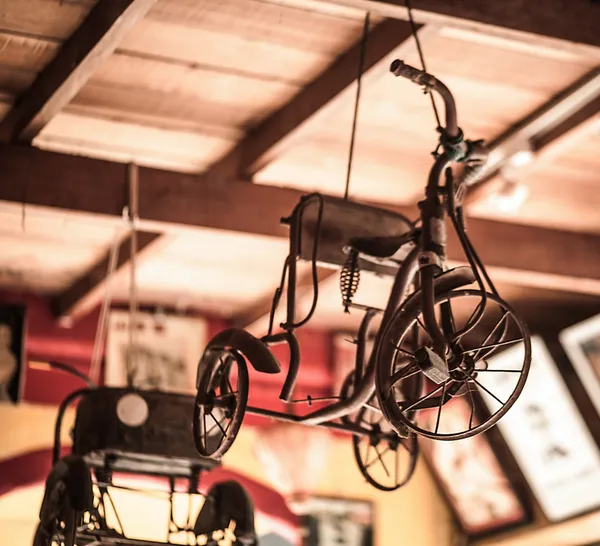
<point x="415" y="34"/>
<point x="106" y="301"/>
<point x="361" y="66"/>
<point x="133" y="303"/>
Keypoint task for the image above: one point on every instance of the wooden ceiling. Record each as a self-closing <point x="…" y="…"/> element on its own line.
<point x="264" y="89"/>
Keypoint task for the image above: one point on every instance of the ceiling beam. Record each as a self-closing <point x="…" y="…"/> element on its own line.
<point x="75" y="62"/>
<point x="575" y="21"/>
<point x="170" y="201"/>
<point x="286" y="126"/>
<point x="567" y="110"/>
<point x="86" y="291"/>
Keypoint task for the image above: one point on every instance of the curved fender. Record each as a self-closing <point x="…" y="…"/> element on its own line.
<point x="75" y="474"/>
<point x="258" y="354"/>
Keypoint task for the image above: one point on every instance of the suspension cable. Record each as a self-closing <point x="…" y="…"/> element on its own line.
<point x="361" y="66"/>
<point x="132" y="175"/>
<point x="415" y="34"/>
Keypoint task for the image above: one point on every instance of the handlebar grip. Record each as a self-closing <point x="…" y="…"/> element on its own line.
<point x="400" y="68"/>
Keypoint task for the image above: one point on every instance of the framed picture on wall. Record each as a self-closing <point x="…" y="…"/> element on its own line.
<point x="547" y="434"/>
<point x="12" y="352"/>
<point x="581" y="342"/>
<point x="165" y="353"/>
<point x="471" y="477"/>
<point x="333" y="521"/>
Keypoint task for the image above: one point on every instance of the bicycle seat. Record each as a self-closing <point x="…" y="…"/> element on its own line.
<point x="389" y="247"/>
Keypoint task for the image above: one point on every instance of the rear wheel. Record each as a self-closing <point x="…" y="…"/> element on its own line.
<point x="385" y="460"/>
<point x="220" y="402"/>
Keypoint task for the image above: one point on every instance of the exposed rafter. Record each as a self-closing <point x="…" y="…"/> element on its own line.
<point x="565" y="111"/>
<point x="575" y="21"/>
<point x="98" y="36"/>
<point x="167" y="200"/>
<point x="285" y="126"/>
<point x="84" y="294"/>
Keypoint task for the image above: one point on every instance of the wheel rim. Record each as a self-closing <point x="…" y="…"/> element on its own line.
<point x="466" y="366"/>
<point x="384" y="459"/>
<point x="220" y="402"/>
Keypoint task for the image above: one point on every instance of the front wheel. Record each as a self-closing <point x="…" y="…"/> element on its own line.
<point x="220" y="402"/>
<point x="463" y="371"/>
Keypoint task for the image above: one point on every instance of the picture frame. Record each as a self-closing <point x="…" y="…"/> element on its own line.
<point x="581" y="343"/>
<point x="167" y="349"/>
<point x="562" y="470"/>
<point x="12" y="352"/>
<point x="468" y="472"/>
<point x="330" y="521"/>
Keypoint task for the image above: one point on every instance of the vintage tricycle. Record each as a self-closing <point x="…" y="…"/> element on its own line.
<point x="433" y="337"/>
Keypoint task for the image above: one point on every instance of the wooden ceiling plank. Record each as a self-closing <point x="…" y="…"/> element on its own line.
<point x="280" y="130"/>
<point x="171" y="201"/>
<point x="578" y="24"/>
<point x="93" y="41"/>
<point x="87" y="291"/>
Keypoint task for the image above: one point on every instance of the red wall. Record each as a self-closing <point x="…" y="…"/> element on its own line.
<point x="46" y="340"/>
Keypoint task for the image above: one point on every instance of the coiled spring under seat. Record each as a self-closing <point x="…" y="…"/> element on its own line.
<point x="349" y="279"/>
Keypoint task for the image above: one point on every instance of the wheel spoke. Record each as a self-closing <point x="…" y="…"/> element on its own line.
<point x="218" y="424"/>
<point x="397" y="468"/>
<point x="404" y="351"/>
<point x="475" y="311"/>
<point x="226" y="395"/>
<point x="498" y="371"/>
<point x="369" y="446"/>
<point x="405" y="373"/>
<point x="472" y="402"/>
<point x="203" y="432"/>
<point x="489" y="392"/>
<point x="426" y="397"/>
<point x="420" y="322"/>
<point x="380" y="457"/>
<point x="490" y="335"/>
<point x="494" y="345"/>
<point x="439" y="412"/>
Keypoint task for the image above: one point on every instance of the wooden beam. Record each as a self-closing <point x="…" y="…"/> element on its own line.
<point x="255" y="318"/>
<point x="577" y="23"/>
<point x="97" y="38"/>
<point x="85" y="293"/>
<point x="170" y="201"/>
<point x="575" y="120"/>
<point x="565" y="111"/>
<point x="287" y="125"/>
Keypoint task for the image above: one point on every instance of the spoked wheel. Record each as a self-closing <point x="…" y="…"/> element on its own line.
<point x="385" y="460"/>
<point x="220" y="402"/>
<point x="465" y="370"/>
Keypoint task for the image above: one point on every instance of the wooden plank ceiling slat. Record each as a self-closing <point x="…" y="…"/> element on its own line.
<point x="68" y="71"/>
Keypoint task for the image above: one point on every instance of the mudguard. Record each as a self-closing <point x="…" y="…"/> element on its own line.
<point x="74" y="473"/>
<point x="226" y="501"/>
<point x="255" y="351"/>
<point x="448" y="280"/>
